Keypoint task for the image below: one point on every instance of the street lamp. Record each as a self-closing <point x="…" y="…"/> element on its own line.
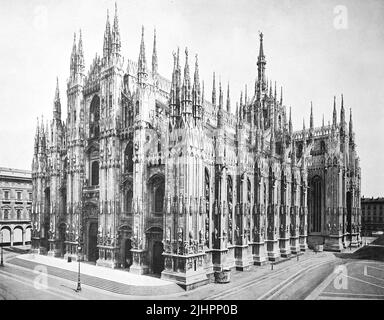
<point x="78" y="274"/>
<point x="2" y="260"/>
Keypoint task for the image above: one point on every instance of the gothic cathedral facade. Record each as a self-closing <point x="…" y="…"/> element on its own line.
<point x="147" y="175"/>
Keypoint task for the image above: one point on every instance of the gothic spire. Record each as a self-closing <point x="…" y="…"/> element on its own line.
<point x="275" y="92"/>
<point x="73" y="56"/>
<point x="142" y="63"/>
<point x="154" y="54"/>
<point x="311" y="118"/>
<point x="281" y="95"/>
<point x="80" y="53"/>
<point x="220" y="96"/>
<point x="334" y="123"/>
<point x="245" y="96"/>
<point x="174" y="90"/>
<point x="323" y="120"/>
<point x="290" y="121"/>
<point x="261" y="63"/>
<point x="350" y="124"/>
<point x="214" y="90"/>
<point x="186" y="68"/>
<point x="56" y="103"/>
<point x="196" y="78"/>
<point x="303" y="124"/>
<point x="116" y="43"/>
<point x="342" y="112"/>
<point x="202" y="93"/>
<point x="107" y="39"/>
<point x="228" y="100"/>
<point x="196" y="97"/>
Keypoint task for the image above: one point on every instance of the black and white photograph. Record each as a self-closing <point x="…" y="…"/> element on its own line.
<point x="186" y="150"/>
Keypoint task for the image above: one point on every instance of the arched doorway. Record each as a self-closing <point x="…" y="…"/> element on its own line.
<point x="5" y="236"/>
<point x="157" y="258"/>
<point x="28" y="235"/>
<point x="93" y="252"/>
<point x="17" y="236"/>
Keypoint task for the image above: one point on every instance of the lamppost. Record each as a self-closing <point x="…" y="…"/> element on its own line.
<point x="79" y="241"/>
<point x="78" y="274"/>
<point x="2" y="260"/>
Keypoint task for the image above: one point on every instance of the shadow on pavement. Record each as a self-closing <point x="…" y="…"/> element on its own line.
<point x="373" y="251"/>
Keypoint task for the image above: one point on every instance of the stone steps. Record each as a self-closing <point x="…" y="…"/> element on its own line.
<point x="103" y="284"/>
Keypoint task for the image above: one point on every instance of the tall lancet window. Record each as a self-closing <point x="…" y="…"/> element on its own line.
<point x="95" y="173"/>
<point x="94" y="118"/>
<point x="270" y="189"/>
<point x="206" y="189"/>
<point x="128" y="201"/>
<point x="128" y="161"/>
<point x="229" y="192"/>
<point x="316" y="195"/>
<point x="282" y="189"/>
<point x="159" y="198"/>
<point x="249" y="192"/>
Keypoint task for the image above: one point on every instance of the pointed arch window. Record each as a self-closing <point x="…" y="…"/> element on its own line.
<point x="128" y="158"/>
<point x="270" y="189"/>
<point x="316" y="203"/>
<point x="128" y="201"/>
<point x="95" y="173"/>
<point x="159" y="198"/>
<point x="249" y="192"/>
<point x="206" y="189"/>
<point x="94" y="118"/>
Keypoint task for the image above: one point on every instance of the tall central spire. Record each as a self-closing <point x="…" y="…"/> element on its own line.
<point x="261" y="65"/>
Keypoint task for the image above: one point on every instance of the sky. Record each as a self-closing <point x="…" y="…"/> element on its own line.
<point x="315" y="50"/>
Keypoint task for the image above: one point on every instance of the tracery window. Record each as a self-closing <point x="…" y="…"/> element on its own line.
<point x="316" y="204"/>
<point x="94" y="118"/>
<point x="95" y="173"/>
<point x="206" y="191"/>
<point x="128" y="155"/>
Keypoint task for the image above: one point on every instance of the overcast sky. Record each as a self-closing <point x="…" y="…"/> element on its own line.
<point x="314" y="49"/>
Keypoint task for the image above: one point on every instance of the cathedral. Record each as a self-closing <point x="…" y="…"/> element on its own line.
<point x="152" y="176"/>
